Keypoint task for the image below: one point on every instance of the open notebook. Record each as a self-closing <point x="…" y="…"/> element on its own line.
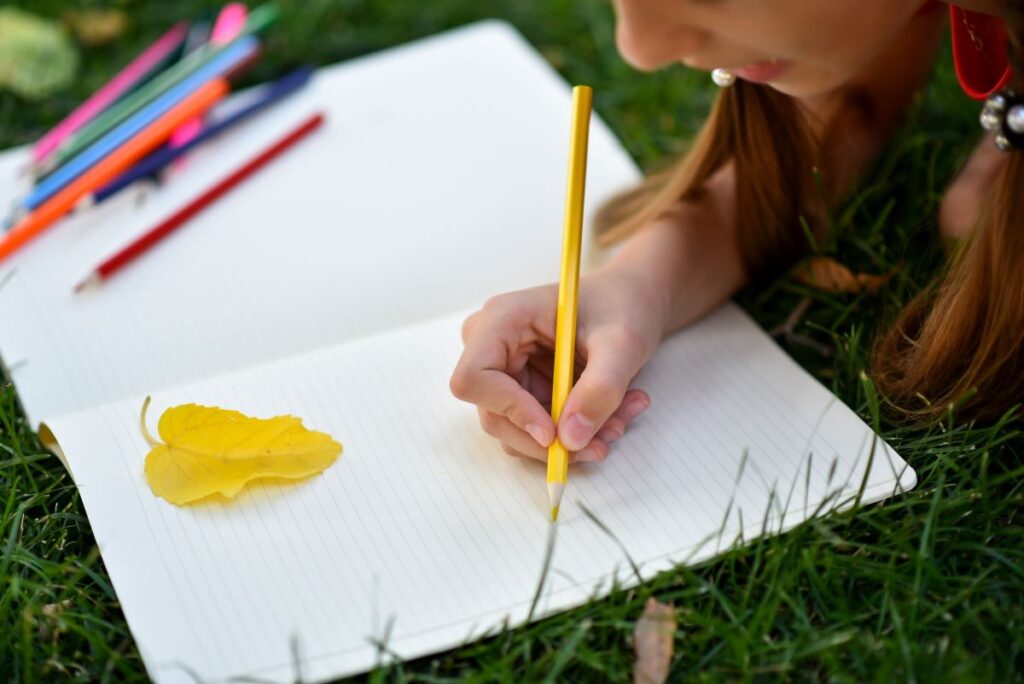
<point x="332" y="287"/>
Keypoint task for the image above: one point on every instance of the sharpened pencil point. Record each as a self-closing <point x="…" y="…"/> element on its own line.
<point x="93" y="280"/>
<point x="13" y="218"/>
<point x="86" y="202"/>
<point x="555" y="490"/>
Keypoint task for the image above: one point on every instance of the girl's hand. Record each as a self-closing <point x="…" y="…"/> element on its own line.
<point x="505" y="368"/>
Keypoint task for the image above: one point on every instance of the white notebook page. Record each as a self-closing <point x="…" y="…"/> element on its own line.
<point x="437" y="179"/>
<point x="424" y="523"/>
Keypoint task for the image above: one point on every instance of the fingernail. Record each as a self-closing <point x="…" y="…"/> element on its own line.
<point x="539" y="434"/>
<point x="636" y="407"/>
<point x="575" y="431"/>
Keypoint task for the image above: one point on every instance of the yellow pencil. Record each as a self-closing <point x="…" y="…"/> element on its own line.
<point x="568" y="286"/>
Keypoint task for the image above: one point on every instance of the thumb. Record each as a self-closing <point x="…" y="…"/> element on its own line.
<point x="611" y="366"/>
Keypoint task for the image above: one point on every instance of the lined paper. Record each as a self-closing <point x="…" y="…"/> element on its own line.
<point x="425" y="524"/>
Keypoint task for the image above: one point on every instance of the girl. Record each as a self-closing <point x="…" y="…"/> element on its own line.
<point x="805" y="84"/>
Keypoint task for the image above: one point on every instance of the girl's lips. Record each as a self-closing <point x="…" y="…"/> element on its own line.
<point x="762" y="72"/>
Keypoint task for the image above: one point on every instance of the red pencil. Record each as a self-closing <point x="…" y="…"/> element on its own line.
<point x="141" y="245"/>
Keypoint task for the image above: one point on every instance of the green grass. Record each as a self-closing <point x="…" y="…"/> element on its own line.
<point x="928" y="587"/>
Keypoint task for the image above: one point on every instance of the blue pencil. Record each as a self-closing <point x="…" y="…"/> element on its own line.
<point x="151" y="166"/>
<point x="230" y="59"/>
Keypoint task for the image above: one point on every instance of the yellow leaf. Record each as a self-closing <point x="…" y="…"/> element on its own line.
<point x="653" y="642"/>
<point x="208" y="450"/>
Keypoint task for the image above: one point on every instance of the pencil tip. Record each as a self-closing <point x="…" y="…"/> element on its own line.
<point x="87" y="201"/>
<point x="13" y="218"/>
<point x="555" y="490"/>
<point x="91" y="281"/>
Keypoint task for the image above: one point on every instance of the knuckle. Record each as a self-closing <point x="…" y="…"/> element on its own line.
<point x="513" y="411"/>
<point x="601" y="450"/>
<point x="624" y="342"/>
<point x="603" y="391"/>
<point x="496" y="303"/>
<point x="510" y="451"/>
<point x="466" y="331"/>
<point x="591" y="454"/>
<point x="512" y="309"/>
<point x="490" y="422"/>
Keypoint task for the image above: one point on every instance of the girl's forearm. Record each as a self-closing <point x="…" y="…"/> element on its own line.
<point x="688" y="261"/>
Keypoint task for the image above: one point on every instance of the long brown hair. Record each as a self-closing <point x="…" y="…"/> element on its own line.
<point x="765" y="134"/>
<point x="959" y="343"/>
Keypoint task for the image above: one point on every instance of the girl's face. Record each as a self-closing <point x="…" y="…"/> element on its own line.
<point x="801" y="47"/>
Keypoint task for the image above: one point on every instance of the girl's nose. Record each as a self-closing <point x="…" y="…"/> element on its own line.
<point x="653" y="33"/>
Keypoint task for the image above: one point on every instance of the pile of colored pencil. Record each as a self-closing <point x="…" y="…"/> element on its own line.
<point x="144" y="121"/>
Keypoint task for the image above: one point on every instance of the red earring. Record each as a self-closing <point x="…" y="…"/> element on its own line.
<point x="979" y="52"/>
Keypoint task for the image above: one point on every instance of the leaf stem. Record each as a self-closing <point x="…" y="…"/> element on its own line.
<point x="142" y="423"/>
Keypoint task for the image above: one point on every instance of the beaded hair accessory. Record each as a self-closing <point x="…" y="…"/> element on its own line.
<point x="1004" y="115"/>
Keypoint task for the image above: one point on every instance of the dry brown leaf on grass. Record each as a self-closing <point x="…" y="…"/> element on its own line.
<point x="653" y="642"/>
<point x="95" y="27"/>
<point x="825" y="273"/>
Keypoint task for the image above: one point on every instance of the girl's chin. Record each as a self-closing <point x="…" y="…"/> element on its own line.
<point x="801" y="84"/>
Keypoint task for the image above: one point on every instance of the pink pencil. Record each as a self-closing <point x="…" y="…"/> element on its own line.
<point x="106" y="95"/>
<point x="230" y="22"/>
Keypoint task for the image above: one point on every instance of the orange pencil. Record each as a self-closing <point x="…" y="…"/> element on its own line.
<point x="107" y="169"/>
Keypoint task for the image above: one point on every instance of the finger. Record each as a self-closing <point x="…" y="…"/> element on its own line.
<point x="634" y="403"/>
<point x="482" y="377"/>
<point x="588" y="455"/>
<point x="515" y="442"/>
<point x="512" y="438"/>
<point x="612" y="362"/>
<point x="597" y="450"/>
